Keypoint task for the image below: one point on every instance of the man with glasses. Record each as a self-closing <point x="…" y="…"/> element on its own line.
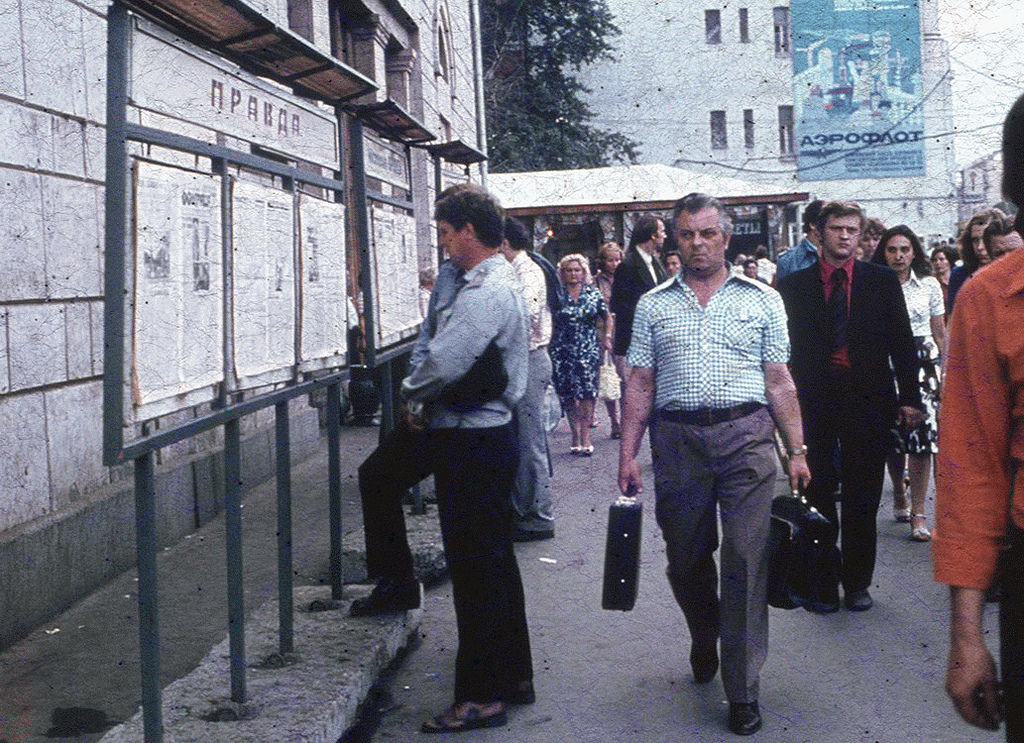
<point x="847" y="322"/>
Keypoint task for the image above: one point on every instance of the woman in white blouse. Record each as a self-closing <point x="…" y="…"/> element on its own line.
<point x="900" y="249"/>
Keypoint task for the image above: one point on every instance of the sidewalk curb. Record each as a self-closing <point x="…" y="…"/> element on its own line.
<point x="314" y="698"/>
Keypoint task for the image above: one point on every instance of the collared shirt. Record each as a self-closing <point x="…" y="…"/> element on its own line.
<point x="441" y="297"/>
<point x="535" y="292"/>
<point x="841" y="356"/>
<point x="982" y="423"/>
<point x="795" y="259"/>
<point x="709" y="357"/>
<point x="924" y="301"/>
<point x="487" y="306"/>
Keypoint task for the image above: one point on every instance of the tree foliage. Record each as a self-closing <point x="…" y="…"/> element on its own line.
<point x="536" y="116"/>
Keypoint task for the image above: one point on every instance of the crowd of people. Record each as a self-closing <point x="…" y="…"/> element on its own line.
<point x="846" y="351"/>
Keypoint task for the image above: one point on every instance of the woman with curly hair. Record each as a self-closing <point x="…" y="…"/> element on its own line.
<point x="900" y="249"/>
<point x="574" y="348"/>
<point x="972" y="252"/>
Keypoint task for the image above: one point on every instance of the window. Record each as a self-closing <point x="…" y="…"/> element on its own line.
<point x="744" y="29"/>
<point x="719" y="141"/>
<point x="781" y="18"/>
<point x="748" y="128"/>
<point x="785" y="130"/>
<point x="713" y="26"/>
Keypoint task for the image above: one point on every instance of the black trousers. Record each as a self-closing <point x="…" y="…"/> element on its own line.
<point x="847" y="440"/>
<point x="1011" y="635"/>
<point x="473" y="470"/>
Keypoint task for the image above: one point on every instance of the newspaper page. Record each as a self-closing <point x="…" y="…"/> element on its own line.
<point x="325" y="319"/>
<point x="177" y="312"/>
<point x="263" y="278"/>
<point x="397" y="274"/>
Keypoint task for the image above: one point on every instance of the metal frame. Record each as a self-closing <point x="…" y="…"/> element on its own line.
<point x="227" y="411"/>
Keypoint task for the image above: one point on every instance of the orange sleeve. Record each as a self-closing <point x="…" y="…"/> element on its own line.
<point x="973" y="478"/>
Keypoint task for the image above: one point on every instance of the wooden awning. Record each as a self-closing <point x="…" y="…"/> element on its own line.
<point x="236" y="31"/>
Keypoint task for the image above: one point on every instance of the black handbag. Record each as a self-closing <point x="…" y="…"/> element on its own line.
<point x="803" y="560"/>
<point x="622" y="555"/>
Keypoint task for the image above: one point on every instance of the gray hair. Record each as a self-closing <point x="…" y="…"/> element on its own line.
<point x="698" y="202"/>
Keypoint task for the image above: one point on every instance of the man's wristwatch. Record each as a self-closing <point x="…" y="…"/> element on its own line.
<point x="800" y="451"/>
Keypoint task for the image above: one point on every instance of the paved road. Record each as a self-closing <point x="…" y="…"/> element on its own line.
<point x="610" y="676"/>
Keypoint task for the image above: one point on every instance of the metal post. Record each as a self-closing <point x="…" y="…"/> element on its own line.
<point x="233" y="534"/>
<point x="334" y="484"/>
<point x="284" y="528"/>
<point x="115" y="207"/>
<point x="149" y="625"/>
<point x="284" y="442"/>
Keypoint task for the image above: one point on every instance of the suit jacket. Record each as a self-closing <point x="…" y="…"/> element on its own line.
<point x="632" y="279"/>
<point x="879" y="331"/>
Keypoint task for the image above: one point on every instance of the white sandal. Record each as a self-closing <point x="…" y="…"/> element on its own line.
<point x="920" y="533"/>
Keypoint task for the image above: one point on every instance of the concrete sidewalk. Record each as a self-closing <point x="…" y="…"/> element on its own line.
<point x="78" y="676"/>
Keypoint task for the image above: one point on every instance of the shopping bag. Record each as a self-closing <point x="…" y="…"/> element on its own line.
<point x="608" y="386"/>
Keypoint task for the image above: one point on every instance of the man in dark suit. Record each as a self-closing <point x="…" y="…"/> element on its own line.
<point x="639" y="271"/>
<point x="847" y="322"/>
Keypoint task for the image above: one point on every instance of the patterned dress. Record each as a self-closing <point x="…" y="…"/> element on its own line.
<point x="924" y="301"/>
<point x="574" y="345"/>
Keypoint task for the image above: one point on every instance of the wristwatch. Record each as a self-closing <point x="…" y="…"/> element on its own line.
<point x="800" y="451"/>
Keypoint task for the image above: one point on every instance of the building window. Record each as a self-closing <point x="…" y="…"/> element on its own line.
<point x="781" y="19"/>
<point x="748" y="128"/>
<point x="785" y="130"/>
<point x="719" y="141"/>
<point x="713" y="26"/>
<point x="744" y="29"/>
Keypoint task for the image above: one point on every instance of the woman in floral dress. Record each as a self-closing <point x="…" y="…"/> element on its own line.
<point x="575" y="350"/>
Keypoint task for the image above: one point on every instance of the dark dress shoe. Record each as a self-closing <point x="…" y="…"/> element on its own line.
<point x="704" y="662"/>
<point x="744" y="718"/>
<point x="387" y="597"/>
<point x="859" y="600"/>
<point x="822" y="607"/>
<point x="532" y="535"/>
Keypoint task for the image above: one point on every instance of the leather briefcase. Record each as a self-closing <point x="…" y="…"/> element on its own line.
<point x="622" y="555"/>
<point x="803" y="560"/>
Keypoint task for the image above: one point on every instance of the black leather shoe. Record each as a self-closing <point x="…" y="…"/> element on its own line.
<point x="704" y="662"/>
<point x="388" y="596"/>
<point x="532" y="535"/>
<point x="744" y="718"/>
<point x="859" y="600"/>
<point x="822" y="607"/>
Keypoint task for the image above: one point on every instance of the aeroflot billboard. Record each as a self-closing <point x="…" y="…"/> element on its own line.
<point x="857" y="93"/>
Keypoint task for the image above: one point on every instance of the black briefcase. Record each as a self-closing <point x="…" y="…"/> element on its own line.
<point x="803" y="560"/>
<point x="622" y="555"/>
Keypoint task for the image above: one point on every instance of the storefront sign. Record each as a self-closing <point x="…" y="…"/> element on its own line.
<point x="171" y="77"/>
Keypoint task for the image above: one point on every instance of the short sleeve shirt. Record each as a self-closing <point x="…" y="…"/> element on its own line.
<point x="709" y="357"/>
<point x="924" y="301"/>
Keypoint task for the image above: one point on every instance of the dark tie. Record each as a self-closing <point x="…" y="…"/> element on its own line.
<point x="837" y="310"/>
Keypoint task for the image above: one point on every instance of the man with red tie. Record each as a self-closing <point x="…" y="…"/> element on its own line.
<point x="847" y="323"/>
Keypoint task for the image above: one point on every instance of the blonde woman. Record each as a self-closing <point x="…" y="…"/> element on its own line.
<point x="609" y="256"/>
<point x="574" y="348"/>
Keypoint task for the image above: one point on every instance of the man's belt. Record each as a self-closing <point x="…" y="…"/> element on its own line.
<point x="709" y="416"/>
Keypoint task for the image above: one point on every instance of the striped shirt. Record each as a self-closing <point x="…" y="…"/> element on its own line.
<point x="709" y="357"/>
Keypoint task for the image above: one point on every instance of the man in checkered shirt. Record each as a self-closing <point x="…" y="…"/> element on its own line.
<point x="710" y="352"/>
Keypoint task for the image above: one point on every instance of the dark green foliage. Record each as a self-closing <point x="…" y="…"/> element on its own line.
<point x="536" y="119"/>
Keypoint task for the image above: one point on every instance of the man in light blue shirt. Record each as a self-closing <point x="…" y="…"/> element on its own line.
<point x="806" y="251"/>
<point x="709" y="354"/>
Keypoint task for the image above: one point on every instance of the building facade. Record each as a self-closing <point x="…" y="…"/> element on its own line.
<point x="711" y="87"/>
<point x="66" y="521"/>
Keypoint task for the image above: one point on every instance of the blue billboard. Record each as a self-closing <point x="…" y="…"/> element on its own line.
<point x="857" y="98"/>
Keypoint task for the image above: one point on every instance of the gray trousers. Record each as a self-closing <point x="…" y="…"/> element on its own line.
<point x="531" y="489"/>
<point x="731" y="466"/>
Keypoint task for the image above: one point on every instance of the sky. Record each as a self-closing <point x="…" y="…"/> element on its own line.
<point x="987" y="60"/>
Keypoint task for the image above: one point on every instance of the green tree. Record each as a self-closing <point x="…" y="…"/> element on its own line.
<point x="536" y="118"/>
